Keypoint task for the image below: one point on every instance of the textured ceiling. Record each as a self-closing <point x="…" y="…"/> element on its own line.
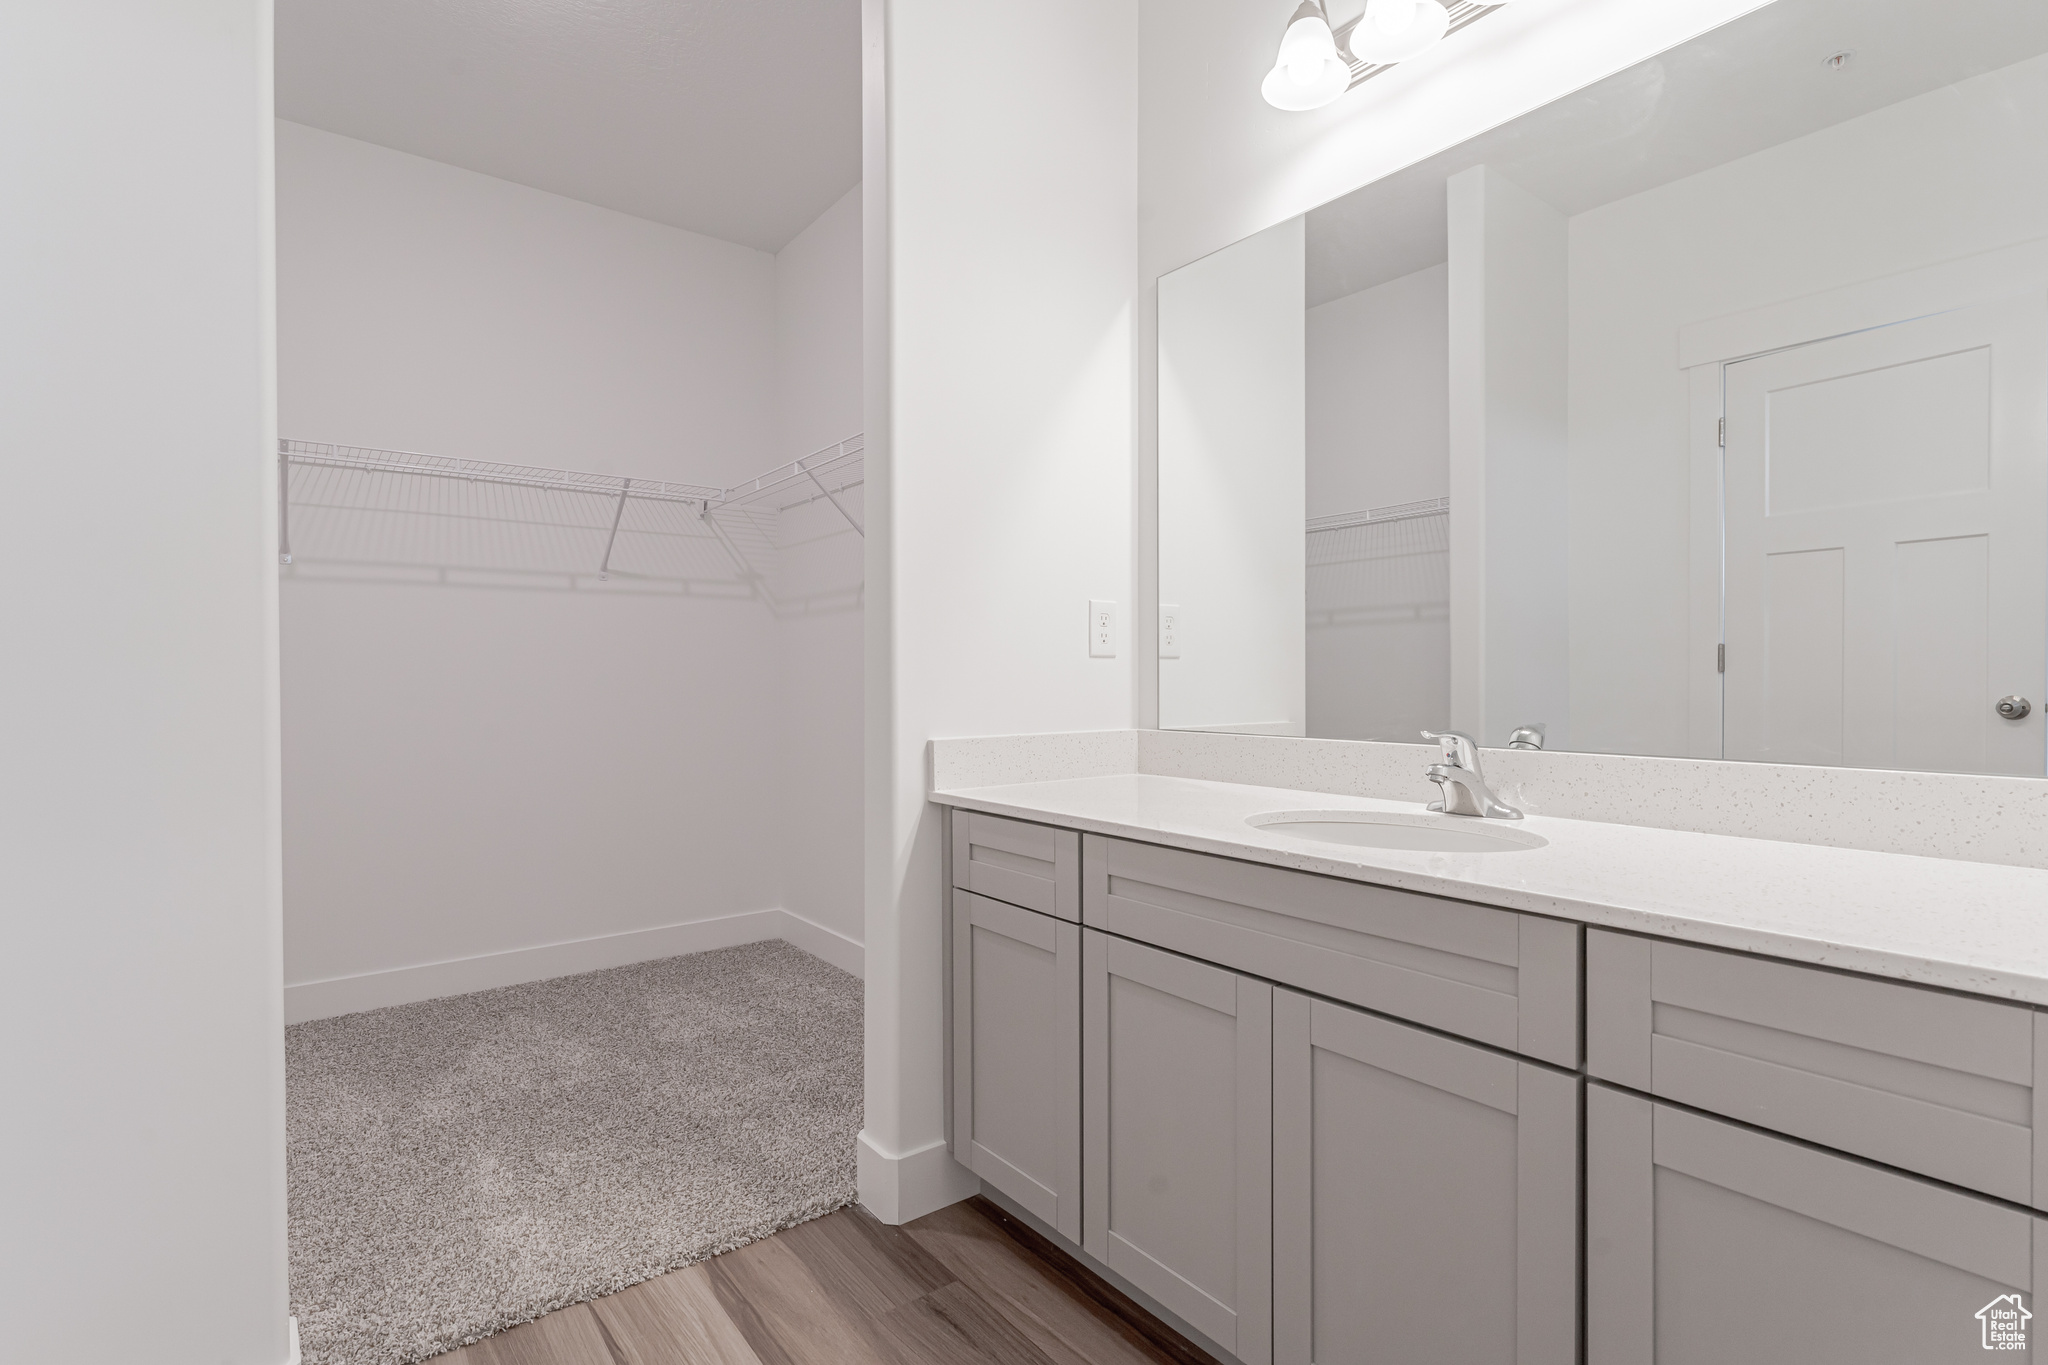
<point x="739" y="119"/>
<point x="1748" y="85"/>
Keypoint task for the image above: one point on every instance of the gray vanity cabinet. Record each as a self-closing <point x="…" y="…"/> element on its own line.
<point x="1425" y="1196"/>
<point x="1178" y="1113"/>
<point x="1710" y="1243"/>
<point x="1017" y="1055"/>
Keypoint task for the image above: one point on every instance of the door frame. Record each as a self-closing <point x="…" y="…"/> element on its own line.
<point x="1705" y="350"/>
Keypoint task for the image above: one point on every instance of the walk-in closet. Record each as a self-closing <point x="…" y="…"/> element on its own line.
<point x="570" y="511"/>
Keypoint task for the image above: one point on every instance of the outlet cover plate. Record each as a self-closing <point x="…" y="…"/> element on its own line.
<point x="1101" y="630"/>
<point x="1169" y="630"/>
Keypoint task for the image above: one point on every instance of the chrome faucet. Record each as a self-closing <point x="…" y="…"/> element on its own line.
<point x="1463" y="786"/>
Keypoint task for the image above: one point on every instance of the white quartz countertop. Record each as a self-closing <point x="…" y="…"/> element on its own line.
<point x="1977" y="927"/>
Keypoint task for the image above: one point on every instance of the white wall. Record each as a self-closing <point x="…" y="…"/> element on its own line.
<point x="1378" y="640"/>
<point x="818" y="588"/>
<point x="1000" y="249"/>
<point x="485" y="764"/>
<point x="142" y="1203"/>
<point x="1379" y="395"/>
<point x="1941" y="176"/>
<point x="474" y="317"/>
<point x="1232" y="457"/>
<point x="1508" y="460"/>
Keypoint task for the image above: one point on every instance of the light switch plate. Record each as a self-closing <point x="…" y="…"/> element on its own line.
<point x="1169" y="631"/>
<point x="1101" y="630"/>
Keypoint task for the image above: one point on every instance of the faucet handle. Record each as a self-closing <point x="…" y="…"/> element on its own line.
<point x="1460" y="749"/>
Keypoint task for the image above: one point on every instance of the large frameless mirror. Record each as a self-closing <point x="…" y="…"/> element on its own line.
<point x="1701" y="412"/>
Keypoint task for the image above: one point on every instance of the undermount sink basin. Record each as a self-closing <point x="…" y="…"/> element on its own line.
<point x="1415" y="833"/>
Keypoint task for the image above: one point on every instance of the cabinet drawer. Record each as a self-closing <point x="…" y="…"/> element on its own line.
<point x="1938" y="1084"/>
<point x="1035" y="866"/>
<point x="1501" y="978"/>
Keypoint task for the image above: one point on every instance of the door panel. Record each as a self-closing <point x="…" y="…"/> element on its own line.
<point x="1425" y="1196"/>
<point x="1894" y="433"/>
<point x="1017" y="1055"/>
<point x="1710" y="1243"/>
<point x="1940" y="598"/>
<point x="1178" y="1136"/>
<point x="1886" y="563"/>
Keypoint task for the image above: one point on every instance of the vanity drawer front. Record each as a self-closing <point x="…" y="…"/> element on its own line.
<point x="1492" y="975"/>
<point x="1938" y="1084"/>
<point x="1035" y="866"/>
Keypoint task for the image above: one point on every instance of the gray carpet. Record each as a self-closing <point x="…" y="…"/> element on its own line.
<point x="462" y="1165"/>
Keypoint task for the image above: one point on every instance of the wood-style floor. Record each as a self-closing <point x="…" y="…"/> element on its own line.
<point x="964" y="1286"/>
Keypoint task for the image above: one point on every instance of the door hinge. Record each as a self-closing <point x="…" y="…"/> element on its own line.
<point x="1720" y="658"/>
<point x="1721" y="432"/>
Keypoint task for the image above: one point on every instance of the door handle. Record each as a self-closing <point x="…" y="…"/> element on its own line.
<point x="2014" y="708"/>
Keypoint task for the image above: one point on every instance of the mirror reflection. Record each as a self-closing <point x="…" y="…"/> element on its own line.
<point x="1702" y="412"/>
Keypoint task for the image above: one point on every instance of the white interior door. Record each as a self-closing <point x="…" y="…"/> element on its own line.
<point x="1886" y="518"/>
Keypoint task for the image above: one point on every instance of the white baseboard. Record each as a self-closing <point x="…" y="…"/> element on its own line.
<point x="898" y="1189"/>
<point x="829" y="944"/>
<point x="293" y="1358"/>
<point x="404" y="985"/>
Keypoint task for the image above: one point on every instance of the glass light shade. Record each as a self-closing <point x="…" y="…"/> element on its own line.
<point x="1308" y="73"/>
<point x="1395" y="30"/>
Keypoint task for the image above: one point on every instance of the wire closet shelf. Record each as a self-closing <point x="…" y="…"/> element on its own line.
<point x="1379" y="566"/>
<point x="1373" y="516"/>
<point x="828" y="474"/>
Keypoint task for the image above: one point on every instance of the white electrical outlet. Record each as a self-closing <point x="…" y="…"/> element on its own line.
<point x="1169" y="631"/>
<point x="1102" y="630"/>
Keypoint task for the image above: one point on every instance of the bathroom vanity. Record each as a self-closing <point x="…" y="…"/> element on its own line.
<point x="1611" y="1093"/>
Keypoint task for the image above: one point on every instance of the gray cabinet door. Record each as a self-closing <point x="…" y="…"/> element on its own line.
<point x="1924" y="1080"/>
<point x="1492" y="975"/>
<point x="1425" y="1197"/>
<point x="1710" y="1243"/>
<point x="1178" y="1124"/>
<point x="1017" y="1055"/>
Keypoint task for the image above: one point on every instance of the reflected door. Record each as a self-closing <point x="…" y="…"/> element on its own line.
<point x="1887" y="545"/>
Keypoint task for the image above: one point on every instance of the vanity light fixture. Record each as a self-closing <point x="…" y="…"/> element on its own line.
<point x="1319" y="62"/>
<point x="1309" y="73"/>
<point x="1395" y="30"/>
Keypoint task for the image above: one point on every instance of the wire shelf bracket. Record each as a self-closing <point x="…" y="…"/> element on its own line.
<point x="835" y="462"/>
